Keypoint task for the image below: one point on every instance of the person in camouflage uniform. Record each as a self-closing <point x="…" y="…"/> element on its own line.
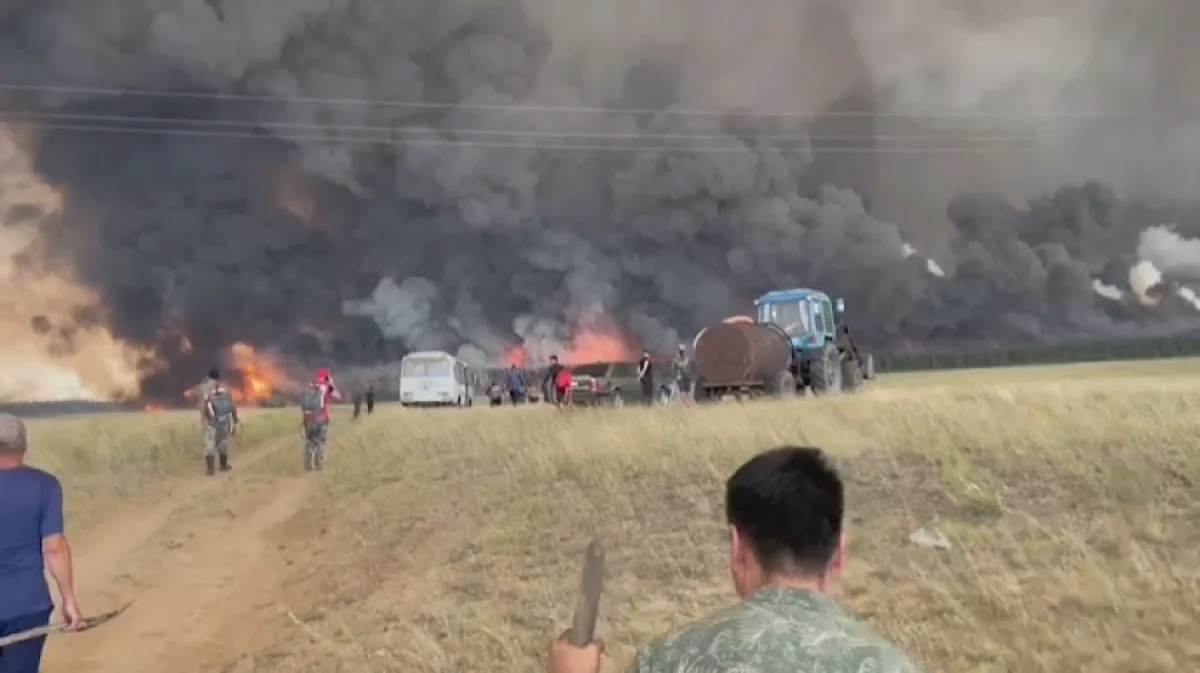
<point x="200" y="394"/>
<point x="785" y="509"/>
<point x="681" y="376"/>
<point x="219" y="415"/>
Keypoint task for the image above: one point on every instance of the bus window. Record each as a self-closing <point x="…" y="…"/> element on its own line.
<point x="426" y="368"/>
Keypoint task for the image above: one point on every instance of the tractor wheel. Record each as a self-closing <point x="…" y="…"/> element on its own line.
<point x="784" y="387"/>
<point x="852" y="376"/>
<point x="825" y="372"/>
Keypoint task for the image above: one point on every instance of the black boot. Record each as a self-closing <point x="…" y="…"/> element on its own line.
<point x="210" y="465"/>
<point x="225" y="464"/>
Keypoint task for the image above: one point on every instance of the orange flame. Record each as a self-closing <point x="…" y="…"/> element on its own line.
<point x="260" y="375"/>
<point x="153" y="407"/>
<point x="594" y="345"/>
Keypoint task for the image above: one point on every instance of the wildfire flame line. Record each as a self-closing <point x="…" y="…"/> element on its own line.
<point x="586" y="345"/>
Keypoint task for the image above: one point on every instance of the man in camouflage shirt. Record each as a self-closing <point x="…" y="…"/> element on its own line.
<point x="200" y="394"/>
<point x="785" y="510"/>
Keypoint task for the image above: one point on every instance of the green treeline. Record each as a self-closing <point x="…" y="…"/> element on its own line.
<point x="1095" y="351"/>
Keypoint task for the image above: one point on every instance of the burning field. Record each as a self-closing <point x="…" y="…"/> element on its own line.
<point x="255" y="379"/>
<point x="180" y="180"/>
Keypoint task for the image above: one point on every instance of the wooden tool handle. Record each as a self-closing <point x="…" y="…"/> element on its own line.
<point x="51" y="629"/>
<point x="587" y="607"/>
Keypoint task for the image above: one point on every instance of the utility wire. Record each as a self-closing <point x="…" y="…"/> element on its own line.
<point x="578" y="109"/>
<point x="735" y="144"/>
<point x="534" y="133"/>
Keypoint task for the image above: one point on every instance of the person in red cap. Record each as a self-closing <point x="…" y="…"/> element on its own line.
<point x="315" y="409"/>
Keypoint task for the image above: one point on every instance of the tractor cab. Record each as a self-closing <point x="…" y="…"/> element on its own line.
<point x="808" y="317"/>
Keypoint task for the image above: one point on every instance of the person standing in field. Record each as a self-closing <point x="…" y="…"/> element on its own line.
<point x="681" y="376"/>
<point x="314" y="409"/>
<point x="370" y="399"/>
<point x="516" y="384"/>
<point x="32" y="539"/>
<point x="550" y="383"/>
<point x="220" y="424"/>
<point x="562" y="387"/>
<point x="646" y="377"/>
<point x="785" y="510"/>
<point x="199" y="394"/>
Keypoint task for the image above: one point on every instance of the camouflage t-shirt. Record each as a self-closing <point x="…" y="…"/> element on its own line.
<point x="778" y="630"/>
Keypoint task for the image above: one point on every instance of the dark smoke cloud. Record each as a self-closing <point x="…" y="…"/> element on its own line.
<point x="310" y="233"/>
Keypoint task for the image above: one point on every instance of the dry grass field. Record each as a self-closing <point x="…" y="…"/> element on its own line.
<point x="449" y="541"/>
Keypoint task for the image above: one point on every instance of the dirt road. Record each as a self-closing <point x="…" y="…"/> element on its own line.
<point x="203" y="568"/>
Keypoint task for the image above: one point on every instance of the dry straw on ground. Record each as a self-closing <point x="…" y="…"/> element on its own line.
<point x="450" y="541"/>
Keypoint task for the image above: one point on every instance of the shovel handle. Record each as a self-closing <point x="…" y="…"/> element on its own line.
<point x="587" y="607"/>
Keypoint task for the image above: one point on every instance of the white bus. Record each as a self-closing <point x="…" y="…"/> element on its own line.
<point x="435" y="379"/>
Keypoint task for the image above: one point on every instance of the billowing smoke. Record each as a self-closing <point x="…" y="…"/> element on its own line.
<point x="344" y="180"/>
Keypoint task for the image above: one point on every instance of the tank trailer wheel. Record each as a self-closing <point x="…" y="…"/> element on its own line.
<point x="784" y="386"/>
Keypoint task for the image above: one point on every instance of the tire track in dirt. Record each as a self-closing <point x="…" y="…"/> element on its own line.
<point x="216" y="597"/>
<point x="129" y="553"/>
<point x="102" y="554"/>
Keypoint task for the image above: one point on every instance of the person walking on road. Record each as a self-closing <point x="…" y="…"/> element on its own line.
<point x="314" y="408"/>
<point x="220" y="423"/>
<point x="32" y="540"/>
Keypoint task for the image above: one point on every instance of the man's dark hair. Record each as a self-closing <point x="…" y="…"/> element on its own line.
<point x="788" y="504"/>
<point x="214" y="373"/>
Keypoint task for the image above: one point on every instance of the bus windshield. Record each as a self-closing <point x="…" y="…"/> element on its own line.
<point x="426" y="368"/>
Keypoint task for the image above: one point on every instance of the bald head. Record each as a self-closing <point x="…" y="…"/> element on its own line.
<point x="12" y="435"/>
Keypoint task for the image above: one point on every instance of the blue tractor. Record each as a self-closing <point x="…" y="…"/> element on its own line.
<point x="794" y="342"/>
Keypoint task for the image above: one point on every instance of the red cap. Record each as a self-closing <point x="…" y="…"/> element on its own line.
<point x="323" y="374"/>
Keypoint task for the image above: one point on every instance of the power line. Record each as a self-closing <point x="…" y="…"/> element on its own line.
<point x="578" y="109"/>
<point x="734" y="146"/>
<point x="603" y="135"/>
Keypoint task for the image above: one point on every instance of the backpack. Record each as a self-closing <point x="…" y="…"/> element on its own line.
<point x="222" y="408"/>
<point x="313" y="402"/>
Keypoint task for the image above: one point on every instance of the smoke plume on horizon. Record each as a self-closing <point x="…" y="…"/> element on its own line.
<point x="339" y="181"/>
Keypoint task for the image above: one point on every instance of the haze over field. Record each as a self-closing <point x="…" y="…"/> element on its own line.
<point x="480" y="176"/>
